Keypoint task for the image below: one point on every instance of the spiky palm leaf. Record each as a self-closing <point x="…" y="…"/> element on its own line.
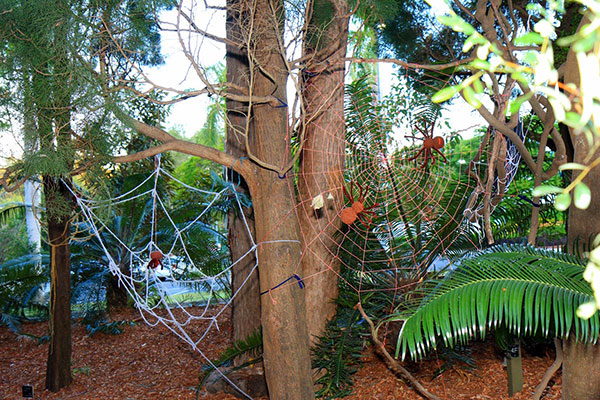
<point x="11" y="211"/>
<point x="528" y="290"/>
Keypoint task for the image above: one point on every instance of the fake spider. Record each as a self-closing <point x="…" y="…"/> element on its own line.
<point x="155" y="258"/>
<point x="430" y="144"/>
<point x="357" y="209"/>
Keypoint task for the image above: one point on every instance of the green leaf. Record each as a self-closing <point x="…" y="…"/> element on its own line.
<point x="471" y="98"/>
<point x="445" y="94"/>
<point x="582" y="196"/>
<point x="585" y="44"/>
<point x="480" y="64"/>
<point x="456" y="23"/>
<point x="571" y="165"/>
<point x="545" y="189"/>
<point x="478" y="86"/>
<point x="528" y="290"/>
<point x="515" y="105"/>
<point x="529" y="38"/>
<point x="562" y="201"/>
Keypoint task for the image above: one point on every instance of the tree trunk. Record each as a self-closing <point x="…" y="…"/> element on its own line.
<point x="322" y="166"/>
<point x="244" y="275"/>
<point x="116" y="294"/>
<point x="580" y="372"/>
<point x="58" y="371"/>
<point x="581" y="377"/>
<point x="285" y="336"/>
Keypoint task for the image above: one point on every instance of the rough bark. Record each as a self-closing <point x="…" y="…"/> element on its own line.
<point x="58" y="371"/>
<point x="285" y="336"/>
<point x="322" y="166"/>
<point x="244" y="277"/>
<point x="581" y="376"/>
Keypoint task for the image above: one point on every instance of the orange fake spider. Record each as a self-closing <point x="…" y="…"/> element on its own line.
<point x="357" y="209"/>
<point x="430" y="144"/>
<point x="155" y="258"/>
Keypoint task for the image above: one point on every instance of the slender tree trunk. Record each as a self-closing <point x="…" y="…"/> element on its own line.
<point x="244" y="275"/>
<point x="581" y="376"/>
<point x="322" y="166"/>
<point x="58" y="371"/>
<point x="285" y="336"/>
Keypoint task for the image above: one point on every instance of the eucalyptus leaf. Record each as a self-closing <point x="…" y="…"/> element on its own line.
<point x="445" y="94"/>
<point x="545" y="189"/>
<point x="582" y="196"/>
<point x="562" y="201"/>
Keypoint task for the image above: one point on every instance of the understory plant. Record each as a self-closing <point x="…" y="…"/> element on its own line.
<point x="529" y="291"/>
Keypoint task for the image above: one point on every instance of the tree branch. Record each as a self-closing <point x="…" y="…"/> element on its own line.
<point x="433" y="67"/>
<point x="171" y="143"/>
<point x="391" y="362"/>
<point x="550" y="371"/>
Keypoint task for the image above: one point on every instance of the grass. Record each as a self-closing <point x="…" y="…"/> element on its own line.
<point x="196" y="297"/>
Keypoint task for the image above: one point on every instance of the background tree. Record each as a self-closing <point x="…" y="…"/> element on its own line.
<point x="44" y="44"/>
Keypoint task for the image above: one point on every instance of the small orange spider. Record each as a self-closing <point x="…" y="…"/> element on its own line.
<point x="430" y="144"/>
<point x="357" y="210"/>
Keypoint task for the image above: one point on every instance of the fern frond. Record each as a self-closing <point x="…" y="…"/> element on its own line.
<point x="529" y="290"/>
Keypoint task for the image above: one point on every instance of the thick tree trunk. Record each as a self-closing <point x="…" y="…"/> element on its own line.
<point x="58" y="371"/>
<point x="322" y="167"/>
<point x="581" y="376"/>
<point x="244" y="275"/>
<point x="285" y="336"/>
<point x="580" y="372"/>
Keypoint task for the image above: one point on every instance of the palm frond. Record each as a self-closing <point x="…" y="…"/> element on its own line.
<point x="12" y="211"/>
<point x="528" y="290"/>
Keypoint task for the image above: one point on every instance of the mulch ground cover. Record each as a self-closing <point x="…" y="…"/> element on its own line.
<point x="147" y="362"/>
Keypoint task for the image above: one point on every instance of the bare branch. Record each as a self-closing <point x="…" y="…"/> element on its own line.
<point x="391" y="362"/>
<point x="539" y="390"/>
<point x="171" y="143"/>
<point x="9" y="184"/>
<point x="432" y="67"/>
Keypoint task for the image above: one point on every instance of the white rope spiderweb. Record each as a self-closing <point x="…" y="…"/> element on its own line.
<point x="148" y="301"/>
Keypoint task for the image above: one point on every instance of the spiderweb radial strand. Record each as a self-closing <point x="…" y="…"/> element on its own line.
<point x="149" y="287"/>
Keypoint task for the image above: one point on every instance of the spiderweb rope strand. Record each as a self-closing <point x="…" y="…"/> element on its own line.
<point x="136" y="257"/>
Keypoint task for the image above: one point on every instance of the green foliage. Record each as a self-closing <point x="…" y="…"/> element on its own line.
<point x="528" y="290"/>
<point x="251" y="346"/>
<point x="14" y="241"/>
<point x="96" y="321"/>
<point x="21" y="282"/>
<point x="337" y="354"/>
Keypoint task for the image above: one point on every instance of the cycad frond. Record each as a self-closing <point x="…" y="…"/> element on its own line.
<point x="528" y="290"/>
<point x="12" y="211"/>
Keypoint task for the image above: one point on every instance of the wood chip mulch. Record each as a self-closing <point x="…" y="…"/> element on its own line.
<point x="147" y="362"/>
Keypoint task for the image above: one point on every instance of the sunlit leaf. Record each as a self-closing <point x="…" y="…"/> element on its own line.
<point x="582" y="196"/>
<point x="545" y="189"/>
<point x="562" y="201"/>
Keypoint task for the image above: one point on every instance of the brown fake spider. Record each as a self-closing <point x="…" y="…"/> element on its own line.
<point x="357" y="209"/>
<point x="155" y="258"/>
<point x="430" y="144"/>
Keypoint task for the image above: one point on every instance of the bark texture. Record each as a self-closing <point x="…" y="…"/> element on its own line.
<point x="58" y="371"/>
<point x="285" y="336"/>
<point x="244" y="275"/>
<point x="322" y="166"/>
<point x="581" y="376"/>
